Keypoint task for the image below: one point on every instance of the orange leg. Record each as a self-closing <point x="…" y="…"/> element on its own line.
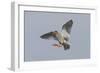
<point x="57" y="45"/>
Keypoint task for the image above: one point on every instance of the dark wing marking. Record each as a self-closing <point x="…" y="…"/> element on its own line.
<point x="49" y="35"/>
<point x="67" y="26"/>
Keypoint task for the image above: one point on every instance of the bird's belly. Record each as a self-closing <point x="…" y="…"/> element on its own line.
<point x="60" y="38"/>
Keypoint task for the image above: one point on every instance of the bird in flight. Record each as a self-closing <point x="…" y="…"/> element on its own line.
<point x="62" y="37"/>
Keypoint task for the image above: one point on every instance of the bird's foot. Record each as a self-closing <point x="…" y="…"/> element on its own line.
<point x="57" y="45"/>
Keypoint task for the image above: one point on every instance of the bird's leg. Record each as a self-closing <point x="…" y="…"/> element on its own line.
<point x="60" y="45"/>
<point x="57" y="45"/>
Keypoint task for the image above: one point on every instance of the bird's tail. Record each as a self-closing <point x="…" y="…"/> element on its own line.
<point x="66" y="46"/>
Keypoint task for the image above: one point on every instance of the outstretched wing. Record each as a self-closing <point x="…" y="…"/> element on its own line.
<point x="49" y="35"/>
<point x="67" y="26"/>
<point x="66" y="29"/>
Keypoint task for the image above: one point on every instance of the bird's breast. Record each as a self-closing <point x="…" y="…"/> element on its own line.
<point x="60" y="38"/>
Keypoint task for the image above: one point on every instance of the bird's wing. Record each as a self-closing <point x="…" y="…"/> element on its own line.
<point x="49" y="35"/>
<point x="67" y="26"/>
<point x="66" y="29"/>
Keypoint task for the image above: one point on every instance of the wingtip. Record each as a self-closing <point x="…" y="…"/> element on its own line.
<point x="71" y="21"/>
<point x="42" y="37"/>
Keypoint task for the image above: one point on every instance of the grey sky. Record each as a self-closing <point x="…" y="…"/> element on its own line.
<point x="39" y="23"/>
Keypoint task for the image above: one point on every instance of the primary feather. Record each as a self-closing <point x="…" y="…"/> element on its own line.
<point x="49" y="35"/>
<point x="67" y="26"/>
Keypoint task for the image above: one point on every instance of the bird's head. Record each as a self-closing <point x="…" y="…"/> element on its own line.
<point x="55" y="32"/>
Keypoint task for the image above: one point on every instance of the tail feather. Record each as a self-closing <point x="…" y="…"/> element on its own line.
<point x="66" y="46"/>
